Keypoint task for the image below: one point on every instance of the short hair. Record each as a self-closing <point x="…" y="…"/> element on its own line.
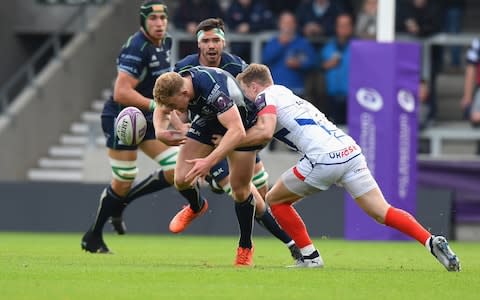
<point x="209" y="24"/>
<point x="256" y="72"/>
<point x="167" y="85"/>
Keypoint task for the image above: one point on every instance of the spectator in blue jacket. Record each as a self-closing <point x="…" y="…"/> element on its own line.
<point x="317" y="17"/>
<point x="334" y="59"/>
<point x="247" y="16"/>
<point x="288" y="55"/>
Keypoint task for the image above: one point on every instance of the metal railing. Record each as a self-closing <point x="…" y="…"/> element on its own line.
<point x="25" y="75"/>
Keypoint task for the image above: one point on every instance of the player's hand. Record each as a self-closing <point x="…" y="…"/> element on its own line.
<point x="171" y="137"/>
<point x="201" y="168"/>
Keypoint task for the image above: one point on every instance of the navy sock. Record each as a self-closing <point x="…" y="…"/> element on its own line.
<point x="110" y="204"/>
<point x="153" y="183"/>
<point x="245" y="212"/>
<point x="268" y="222"/>
<point x="193" y="197"/>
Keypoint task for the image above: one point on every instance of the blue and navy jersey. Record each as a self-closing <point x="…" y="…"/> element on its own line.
<point x="144" y="61"/>
<point x="216" y="91"/>
<point x="231" y="63"/>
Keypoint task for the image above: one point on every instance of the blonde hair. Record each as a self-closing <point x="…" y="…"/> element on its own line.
<point x="256" y="72"/>
<point x="167" y="85"/>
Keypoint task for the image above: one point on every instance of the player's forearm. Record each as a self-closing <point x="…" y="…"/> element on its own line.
<point x="256" y="136"/>
<point x="130" y="97"/>
<point x="469" y="84"/>
<point x="161" y="119"/>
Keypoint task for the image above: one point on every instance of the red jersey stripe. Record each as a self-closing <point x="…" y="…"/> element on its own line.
<point x="269" y="109"/>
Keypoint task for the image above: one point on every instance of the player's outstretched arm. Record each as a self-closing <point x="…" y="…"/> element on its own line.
<point x="262" y="132"/>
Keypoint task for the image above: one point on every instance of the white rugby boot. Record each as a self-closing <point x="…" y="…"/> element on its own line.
<point x="444" y="254"/>
<point x="313" y="260"/>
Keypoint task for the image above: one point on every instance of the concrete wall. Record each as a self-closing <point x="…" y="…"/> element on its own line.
<point x="21" y="20"/>
<point x="71" y="207"/>
<point x="64" y="89"/>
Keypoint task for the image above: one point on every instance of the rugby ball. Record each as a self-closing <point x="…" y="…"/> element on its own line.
<point x="130" y="126"/>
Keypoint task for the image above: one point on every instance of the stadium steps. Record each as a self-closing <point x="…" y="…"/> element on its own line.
<point x="65" y="161"/>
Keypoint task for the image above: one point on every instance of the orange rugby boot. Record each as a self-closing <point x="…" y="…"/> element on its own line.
<point x="244" y="257"/>
<point x="184" y="217"/>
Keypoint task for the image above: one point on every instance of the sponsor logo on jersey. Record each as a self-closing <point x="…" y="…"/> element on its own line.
<point x="342" y="153"/>
<point x="153" y="58"/>
<point x="370" y="99"/>
<point x="406" y="100"/>
<point x="130" y="57"/>
<point x="194" y="131"/>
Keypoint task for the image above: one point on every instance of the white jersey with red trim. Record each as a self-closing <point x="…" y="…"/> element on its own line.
<point x="301" y="126"/>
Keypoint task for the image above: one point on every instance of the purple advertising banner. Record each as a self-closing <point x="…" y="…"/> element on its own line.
<point x="382" y="118"/>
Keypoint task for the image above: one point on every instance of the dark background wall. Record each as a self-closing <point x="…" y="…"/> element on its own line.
<point x="70" y="207"/>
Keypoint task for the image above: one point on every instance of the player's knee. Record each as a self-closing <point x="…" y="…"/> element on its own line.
<point x="260" y="179"/>
<point x="124" y="171"/>
<point x="168" y="158"/>
<point x="225" y="186"/>
<point x="240" y="195"/>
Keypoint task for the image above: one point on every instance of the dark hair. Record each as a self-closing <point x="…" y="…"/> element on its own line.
<point x="209" y="24"/>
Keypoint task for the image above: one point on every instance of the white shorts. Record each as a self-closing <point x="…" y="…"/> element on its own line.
<point x="306" y="178"/>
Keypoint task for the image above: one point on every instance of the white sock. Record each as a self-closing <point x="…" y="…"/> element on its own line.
<point x="427" y="244"/>
<point x="307" y="250"/>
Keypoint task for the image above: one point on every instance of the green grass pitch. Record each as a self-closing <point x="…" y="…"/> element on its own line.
<point x="52" y="266"/>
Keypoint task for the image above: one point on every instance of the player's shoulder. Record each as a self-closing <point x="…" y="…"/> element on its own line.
<point x="135" y="42"/>
<point x="232" y="63"/>
<point x="187" y="62"/>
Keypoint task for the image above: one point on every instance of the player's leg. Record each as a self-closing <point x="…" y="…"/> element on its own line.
<point x="263" y="215"/>
<point x="220" y="180"/>
<point x="286" y="191"/>
<point x="156" y="181"/>
<point x="245" y="195"/>
<point x="189" y="189"/>
<point x="260" y="177"/>
<point x="161" y="178"/>
<point x="364" y="189"/>
<point x="112" y="199"/>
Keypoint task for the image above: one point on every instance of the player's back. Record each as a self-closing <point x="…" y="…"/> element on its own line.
<point x="302" y="126"/>
<point x="214" y="88"/>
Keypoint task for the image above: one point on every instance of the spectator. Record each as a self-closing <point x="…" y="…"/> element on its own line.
<point x="419" y="18"/>
<point x="334" y="58"/>
<point x="189" y="14"/>
<point x="247" y="16"/>
<point x="289" y="55"/>
<point x="470" y="102"/>
<point x="454" y="11"/>
<point x="317" y="17"/>
<point x="278" y="7"/>
<point x="424" y="107"/>
<point x="366" y="25"/>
